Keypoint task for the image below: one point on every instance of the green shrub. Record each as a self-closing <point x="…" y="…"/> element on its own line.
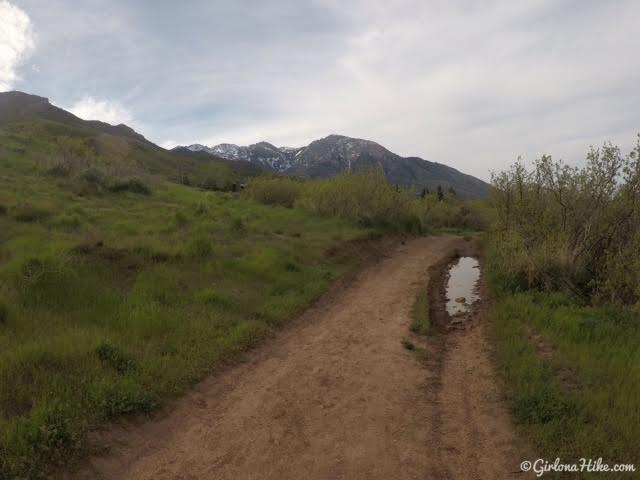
<point x="67" y="221"/>
<point x="152" y="254"/>
<point x="542" y="405"/>
<point x="3" y="210"/>
<point x="274" y="190"/>
<point x="200" y="209"/>
<point x="213" y="185"/>
<point x="199" y="247"/>
<point x="291" y="267"/>
<point x="61" y="170"/>
<point x="27" y="213"/>
<point x="212" y="297"/>
<point x="49" y="436"/>
<point x="92" y="181"/>
<point x="155" y="288"/>
<point x="237" y="225"/>
<point x="366" y="198"/>
<point x="451" y="213"/>
<point x="114" y="358"/>
<point x="46" y="281"/>
<point x="114" y="398"/>
<point x="181" y="219"/>
<point x="4" y="313"/>
<point x="133" y="185"/>
<point x="572" y="229"/>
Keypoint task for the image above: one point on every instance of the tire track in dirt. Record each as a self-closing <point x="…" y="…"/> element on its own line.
<point x="335" y="396"/>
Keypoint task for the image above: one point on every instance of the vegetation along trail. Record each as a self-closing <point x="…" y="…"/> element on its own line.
<point x="336" y="395"/>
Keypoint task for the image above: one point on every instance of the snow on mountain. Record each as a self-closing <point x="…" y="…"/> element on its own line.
<point x="196" y="147"/>
<point x="335" y="154"/>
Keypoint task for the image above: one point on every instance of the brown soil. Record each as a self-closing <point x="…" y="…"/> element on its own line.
<point x="337" y="396"/>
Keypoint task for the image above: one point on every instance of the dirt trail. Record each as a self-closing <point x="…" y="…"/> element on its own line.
<point x="336" y="396"/>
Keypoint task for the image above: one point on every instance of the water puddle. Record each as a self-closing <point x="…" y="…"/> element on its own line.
<point x="462" y="289"/>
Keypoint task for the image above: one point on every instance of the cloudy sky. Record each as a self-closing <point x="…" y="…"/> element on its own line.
<point x="471" y="83"/>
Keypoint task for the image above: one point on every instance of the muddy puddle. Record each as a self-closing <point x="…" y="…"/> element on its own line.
<point x="462" y="287"/>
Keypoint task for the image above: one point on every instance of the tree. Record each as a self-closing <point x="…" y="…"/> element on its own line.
<point x="424" y="193"/>
<point x="440" y="193"/>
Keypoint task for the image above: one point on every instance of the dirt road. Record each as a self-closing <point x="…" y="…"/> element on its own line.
<point x="336" y="396"/>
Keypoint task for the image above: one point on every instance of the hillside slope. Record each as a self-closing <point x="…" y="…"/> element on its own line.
<point x="57" y="139"/>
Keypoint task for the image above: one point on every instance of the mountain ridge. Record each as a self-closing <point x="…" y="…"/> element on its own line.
<point x="113" y="144"/>
<point x="16" y="105"/>
<point x="335" y="154"/>
<point x="322" y="158"/>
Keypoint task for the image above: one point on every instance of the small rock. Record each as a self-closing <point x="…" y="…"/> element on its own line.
<point x="461" y="300"/>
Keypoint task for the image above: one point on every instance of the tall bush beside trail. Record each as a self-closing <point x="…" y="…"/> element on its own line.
<point x="274" y="190"/>
<point x="364" y="197"/>
<point x="576" y="229"/>
<point x="451" y="213"/>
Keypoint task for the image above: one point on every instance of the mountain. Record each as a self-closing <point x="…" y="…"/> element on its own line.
<point x="16" y="106"/>
<point x="117" y="148"/>
<point x="268" y="156"/>
<point x="337" y="153"/>
<point x="123" y="149"/>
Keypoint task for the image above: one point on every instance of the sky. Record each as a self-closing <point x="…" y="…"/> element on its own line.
<point x="472" y="83"/>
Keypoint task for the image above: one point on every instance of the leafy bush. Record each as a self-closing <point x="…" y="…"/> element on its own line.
<point x="4" y="313"/>
<point x="181" y="219"/>
<point x="114" y="358"/>
<point x="3" y="210"/>
<point x="46" y="281"/>
<point x="29" y="214"/>
<point x="200" y="209"/>
<point x="450" y="212"/>
<point x="60" y="170"/>
<point x="67" y="221"/>
<point x="92" y="181"/>
<point x="199" y="247"/>
<point x="210" y="184"/>
<point x="366" y="198"/>
<point x="572" y="229"/>
<point x="49" y="435"/>
<point x="113" y="399"/>
<point x="237" y="225"/>
<point x="274" y="190"/>
<point x="212" y="297"/>
<point x="150" y="253"/>
<point x="133" y="185"/>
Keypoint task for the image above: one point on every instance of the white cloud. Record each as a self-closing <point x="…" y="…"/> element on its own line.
<point x="89" y="108"/>
<point x="472" y="84"/>
<point x="169" y="144"/>
<point x="17" y="42"/>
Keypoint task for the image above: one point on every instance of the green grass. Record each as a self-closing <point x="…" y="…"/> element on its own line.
<point x="112" y="302"/>
<point x="420" y="322"/>
<point x="122" y="284"/>
<point x="572" y="375"/>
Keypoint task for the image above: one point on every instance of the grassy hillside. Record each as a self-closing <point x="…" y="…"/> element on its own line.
<point x="112" y="299"/>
